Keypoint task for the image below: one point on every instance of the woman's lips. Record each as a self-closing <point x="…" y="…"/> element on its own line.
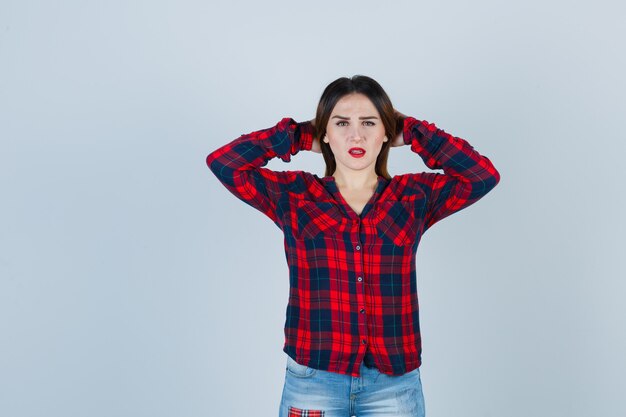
<point x="357" y="152"/>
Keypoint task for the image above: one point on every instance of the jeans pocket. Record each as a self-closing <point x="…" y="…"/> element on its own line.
<point x="298" y="370"/>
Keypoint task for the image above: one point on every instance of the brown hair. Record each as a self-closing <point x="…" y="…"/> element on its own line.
<point x="371" y="89"/>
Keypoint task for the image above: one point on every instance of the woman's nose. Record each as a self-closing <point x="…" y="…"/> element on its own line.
<point x="355" y="133"/>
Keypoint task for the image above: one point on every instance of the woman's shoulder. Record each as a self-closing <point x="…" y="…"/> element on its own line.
<point x="295" y="181"/>
<point x="409" y="184"/>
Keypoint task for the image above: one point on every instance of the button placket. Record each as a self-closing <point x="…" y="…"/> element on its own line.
<point x="360" y="291"/>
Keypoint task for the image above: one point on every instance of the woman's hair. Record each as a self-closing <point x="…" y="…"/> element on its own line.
<point x="372" y="90"/>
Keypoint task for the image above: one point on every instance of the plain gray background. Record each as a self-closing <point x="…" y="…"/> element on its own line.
<point x="133" y="284"/>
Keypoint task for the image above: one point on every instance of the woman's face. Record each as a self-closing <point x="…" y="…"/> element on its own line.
<point x="355" y="125"/>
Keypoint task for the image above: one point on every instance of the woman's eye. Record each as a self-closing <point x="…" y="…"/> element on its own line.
<point x="367" y="123"/>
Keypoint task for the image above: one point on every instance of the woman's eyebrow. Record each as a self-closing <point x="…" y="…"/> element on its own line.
<point x="361" y="118"/>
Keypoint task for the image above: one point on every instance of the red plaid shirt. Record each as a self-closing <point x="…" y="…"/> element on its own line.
<point x="352" y="277"/>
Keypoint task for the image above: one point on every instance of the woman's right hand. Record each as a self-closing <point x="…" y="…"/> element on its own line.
<point x="315" y="147"/>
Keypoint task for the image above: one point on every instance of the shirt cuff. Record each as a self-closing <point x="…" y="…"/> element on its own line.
<point x="407" y="129"/>
<point x="300" y="136"/>
<point x="305" y="132"/>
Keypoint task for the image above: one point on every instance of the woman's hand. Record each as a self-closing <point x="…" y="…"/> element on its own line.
<point x="398" y="140"/>
<point x="315" y="147"/>
<point x="316" y="143"/>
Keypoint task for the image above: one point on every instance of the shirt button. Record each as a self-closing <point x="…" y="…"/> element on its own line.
<point x="362" y="310"/>
<point x="359" y="279"/>
<point x="363" y="341"/>
<point x="358" y="247"/>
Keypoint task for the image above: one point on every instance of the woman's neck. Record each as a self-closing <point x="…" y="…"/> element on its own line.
<point x="356" y="181"/>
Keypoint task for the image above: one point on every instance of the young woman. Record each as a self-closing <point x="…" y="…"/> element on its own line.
<point x="352" y="334"/>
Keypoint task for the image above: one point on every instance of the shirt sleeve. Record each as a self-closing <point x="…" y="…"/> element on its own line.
<point x="238" y="164"/>
<point x="467" y="176"/>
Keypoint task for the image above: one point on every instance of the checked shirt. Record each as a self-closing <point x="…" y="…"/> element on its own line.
<point x="352" y="279"/>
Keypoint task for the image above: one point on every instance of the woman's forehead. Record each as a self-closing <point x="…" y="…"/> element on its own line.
<point x="355" y="105"/>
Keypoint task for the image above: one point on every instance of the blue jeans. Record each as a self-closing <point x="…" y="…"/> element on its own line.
<point x="310" y="392"/>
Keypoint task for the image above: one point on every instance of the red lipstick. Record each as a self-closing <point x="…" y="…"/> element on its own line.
<point x="357" y="152"/>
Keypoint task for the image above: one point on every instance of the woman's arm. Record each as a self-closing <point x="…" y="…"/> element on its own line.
<point x="238" y="164"/>
<point x="467" y="177"/>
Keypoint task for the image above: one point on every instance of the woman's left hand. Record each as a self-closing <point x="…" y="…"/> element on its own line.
<point x="398" y="140"/>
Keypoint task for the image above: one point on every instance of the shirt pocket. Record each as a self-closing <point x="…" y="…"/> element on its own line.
<point x="317" y="219"/>
<point x="396" y="222"/>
